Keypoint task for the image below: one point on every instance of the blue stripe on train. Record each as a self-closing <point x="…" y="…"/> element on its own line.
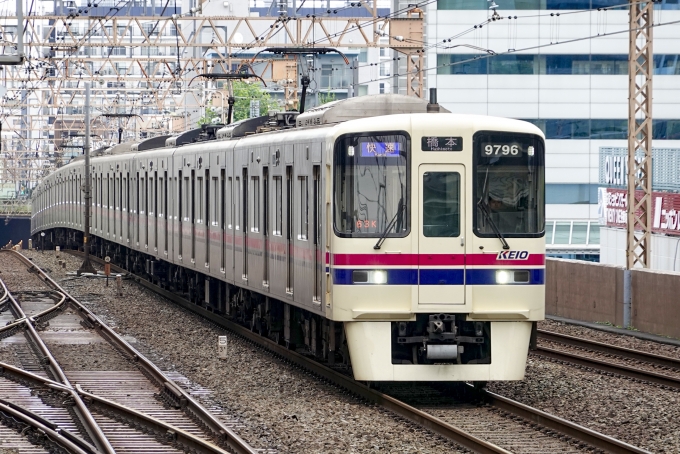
<point x="439" y="276"/>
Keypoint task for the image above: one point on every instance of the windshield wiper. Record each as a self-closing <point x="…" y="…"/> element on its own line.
<point x="485" y="209"/>
<point x="382" y="238"/>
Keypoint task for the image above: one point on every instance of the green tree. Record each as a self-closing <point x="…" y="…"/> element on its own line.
<point x="244" y="92"/>
<point x="326" y="97"/>
<point x="211" y="116"/>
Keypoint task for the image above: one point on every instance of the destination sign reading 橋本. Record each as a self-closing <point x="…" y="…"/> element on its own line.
<point x="430" y="143"/>
<point x="371" y="149"/>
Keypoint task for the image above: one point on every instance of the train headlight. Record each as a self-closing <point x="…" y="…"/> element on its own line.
<point x="503" y="277"/>
<point x="369" y="277"/>
<point x="512" y="277"/>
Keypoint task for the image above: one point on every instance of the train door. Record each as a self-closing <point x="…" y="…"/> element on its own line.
<point x="441" y="244"/>
<point x="265" y="226"/>
<point x="290" y="226"/>
<point x="244" y="204"/>
<point x="316" y="233"/>
<point x="165" y="213"/>
<point x="156" y="210"/>
<point x="223" y="221"/>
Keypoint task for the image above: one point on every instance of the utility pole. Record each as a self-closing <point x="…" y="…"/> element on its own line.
<point x="640" y="70"/>
<point x="87" y="267"/>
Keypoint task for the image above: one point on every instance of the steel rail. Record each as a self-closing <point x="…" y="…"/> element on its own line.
<point x="54" y="433"/>
<point x="426" y="420"/>
<point x="86" y="418"/>
<point x="181" y="398"/>
<point x="595" y="439"/>
<point x="156" y="426"/>
<point x="629" y="353"/>
<point x="625" y="371"/>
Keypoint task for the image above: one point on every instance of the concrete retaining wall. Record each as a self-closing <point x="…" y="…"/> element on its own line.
<point x="593" y="292"/>
<point x="584" y="291"/>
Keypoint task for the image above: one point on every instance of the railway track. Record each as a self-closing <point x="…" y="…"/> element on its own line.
<point x="80" y="387"/>
<point x="639" y="365"/>
<point x="488" y="423"/>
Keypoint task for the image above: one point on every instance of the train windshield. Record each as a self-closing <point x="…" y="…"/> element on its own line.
<point x="371" y="185"/>
<point x="509" y="185"/>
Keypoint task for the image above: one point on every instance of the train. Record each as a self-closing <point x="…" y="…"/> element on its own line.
<point x="381" y="234"/>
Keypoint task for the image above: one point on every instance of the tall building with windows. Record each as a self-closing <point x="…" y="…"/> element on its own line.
<point x="562" y="65"/>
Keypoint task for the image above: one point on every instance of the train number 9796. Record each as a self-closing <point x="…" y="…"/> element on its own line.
<point x="501" y="150"/>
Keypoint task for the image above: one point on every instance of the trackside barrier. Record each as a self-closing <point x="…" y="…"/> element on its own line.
<point x="594" y="292"/>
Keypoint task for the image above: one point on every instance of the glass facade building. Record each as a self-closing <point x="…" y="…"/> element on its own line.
<point x="563" y="66"/>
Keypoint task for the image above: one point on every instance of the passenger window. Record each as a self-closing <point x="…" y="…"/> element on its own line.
<point x="441" y="204"/>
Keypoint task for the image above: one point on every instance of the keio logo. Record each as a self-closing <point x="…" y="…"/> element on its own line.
<point x="513" y="255"/>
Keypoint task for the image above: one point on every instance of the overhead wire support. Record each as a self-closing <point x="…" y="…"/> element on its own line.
<point x="640" y="71"/>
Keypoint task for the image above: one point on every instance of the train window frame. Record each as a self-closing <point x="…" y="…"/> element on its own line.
<point x="476" y="152"/>
<point x="408" y="192"/>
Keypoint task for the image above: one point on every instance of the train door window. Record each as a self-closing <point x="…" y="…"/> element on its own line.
<point x="229" y="213"/>
<point x="199" y="220"/>
<point x="441" y="202"/>
<point x="278" y="207"/>
<point x="237" y="203"/>
<point x="186" y="194"/>
<point x="265" y="225"/>
<point x="214" y="217"/>
<point x="303" y="231"/>
<point x="208" y="218"/>
<point x="289" y="229"/>
<point x="256" y="205"/>
<point x="316" y="233"/>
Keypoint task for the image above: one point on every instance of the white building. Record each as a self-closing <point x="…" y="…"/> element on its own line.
<point x="542" y="61"/>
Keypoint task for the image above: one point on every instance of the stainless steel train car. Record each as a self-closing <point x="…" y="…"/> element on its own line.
<point x="374" y="233"/>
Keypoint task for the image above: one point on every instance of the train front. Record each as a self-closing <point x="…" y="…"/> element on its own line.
<point x="437" y="253"/>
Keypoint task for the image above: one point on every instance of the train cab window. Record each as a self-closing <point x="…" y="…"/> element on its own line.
<point x="372" y="185"/>
<point x="509" y="184"/>
<point x="441" y="204"/>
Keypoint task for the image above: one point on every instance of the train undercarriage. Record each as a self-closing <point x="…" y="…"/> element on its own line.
<point x="296" y="328"/>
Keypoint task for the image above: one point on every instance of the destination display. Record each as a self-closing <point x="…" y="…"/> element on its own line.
<point x="382" y="149"/>
<point x="430" y="143"/>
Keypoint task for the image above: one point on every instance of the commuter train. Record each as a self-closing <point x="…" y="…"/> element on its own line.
<point x="378" y="233"/>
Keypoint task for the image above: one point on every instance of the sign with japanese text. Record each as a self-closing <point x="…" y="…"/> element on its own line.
<point x="613" y="210"/>
<point x="430" y="143"/>
<point x="371" y="149"/>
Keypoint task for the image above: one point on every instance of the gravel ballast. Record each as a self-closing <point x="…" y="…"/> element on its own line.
<point x="281" y="407"/>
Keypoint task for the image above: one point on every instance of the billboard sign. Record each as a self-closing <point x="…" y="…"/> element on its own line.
<point x="613" y="210"/>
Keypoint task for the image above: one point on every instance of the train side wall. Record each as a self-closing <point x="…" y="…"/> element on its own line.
<point x="593" y="292"/>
